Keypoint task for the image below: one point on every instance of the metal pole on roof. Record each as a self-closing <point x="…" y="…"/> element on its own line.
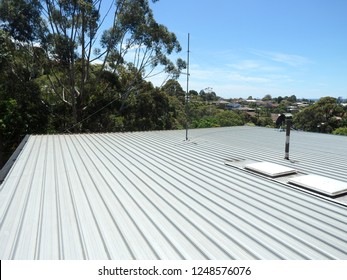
<point x="287" y="140"/>
<point x="187" y="93"/>
<point x="288" y="125"/>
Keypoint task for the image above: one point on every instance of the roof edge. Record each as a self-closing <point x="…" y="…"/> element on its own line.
<point x="8" y="165"/>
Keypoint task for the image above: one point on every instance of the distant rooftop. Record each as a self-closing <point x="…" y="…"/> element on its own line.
<point x="153" y="195"/>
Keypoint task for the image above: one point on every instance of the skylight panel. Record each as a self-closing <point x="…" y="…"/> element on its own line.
<point x="324" y="185"/>
<point x="270" y="169"/>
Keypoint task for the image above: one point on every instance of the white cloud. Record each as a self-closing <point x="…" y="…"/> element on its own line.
<point x="254" y="65"/>
<point x="246" y="65"/>
<point x="288" y="59"/>
<point x="244" y="75"/>
<point x="245" y="78"/>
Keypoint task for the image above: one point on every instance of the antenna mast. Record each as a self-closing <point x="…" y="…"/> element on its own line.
<point x="187" y="93"/>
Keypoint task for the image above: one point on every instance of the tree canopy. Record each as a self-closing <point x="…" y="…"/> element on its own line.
<point x="62" y="70"/>
<point x="68" y="33"/>
<point x="323" y="116"/>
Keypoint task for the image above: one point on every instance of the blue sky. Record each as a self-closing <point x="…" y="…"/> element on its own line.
<point x="257" y="47"/>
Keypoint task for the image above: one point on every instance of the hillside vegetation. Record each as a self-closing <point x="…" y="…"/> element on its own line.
<point x="59" y="75"/>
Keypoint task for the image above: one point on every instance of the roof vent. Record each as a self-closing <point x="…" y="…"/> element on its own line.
<point x="324" y="185"/>
<point x="270" y="169"/>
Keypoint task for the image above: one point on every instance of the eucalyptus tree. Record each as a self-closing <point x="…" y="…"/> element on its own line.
<point x="84" y="38"/>
<point x="133" y="42"/>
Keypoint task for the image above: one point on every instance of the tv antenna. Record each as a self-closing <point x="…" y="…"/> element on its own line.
<point x="187" y="92"/>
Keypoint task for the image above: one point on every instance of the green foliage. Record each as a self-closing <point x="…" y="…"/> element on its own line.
<point x="208" y="95"/>
<point x="68" y="47"/>
<point x="205" y="122"/>
<point x="177" y="113"/>
<point x="282" y="106"/>
<point x="322" y="116"/>
<point x="267" y="97"/>
<point x="340" y="131"/>
<point x="193" y="93"/>
<point x="229" y="118"/>
<point x="292" y="98"/>
<point x="10" y="117"/>
<point x="265" y="121"/>
<point x="152" y="111"/>
<point x="21" y="109"/>
<point x="218" y="118"/>
<point x="21" y="19"/>
<point x="173" y="88"/>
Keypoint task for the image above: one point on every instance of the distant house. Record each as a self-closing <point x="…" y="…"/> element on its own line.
<point x="302" y="104"/>
<point x="233" y="106"/>
<point x="221" y="103"/>
<point x="252" y="101"/>
<point x="292" y="108"/>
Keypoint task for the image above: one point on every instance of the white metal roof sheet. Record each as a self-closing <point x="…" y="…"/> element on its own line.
<point x="151" y="195"/>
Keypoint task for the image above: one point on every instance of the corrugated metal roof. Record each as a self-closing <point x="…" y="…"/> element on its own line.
<point x="151" y="195"/>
